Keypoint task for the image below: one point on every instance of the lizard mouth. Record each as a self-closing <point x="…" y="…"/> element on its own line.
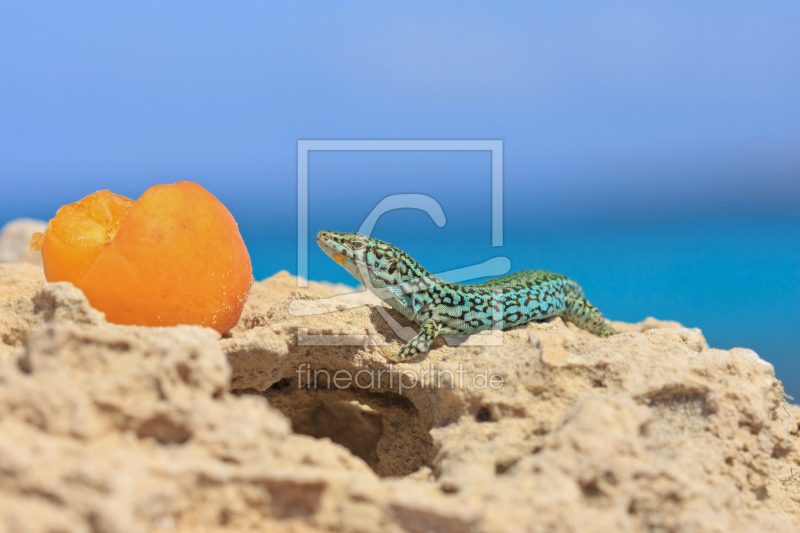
<point x="338" y="251"/>
<point x="324" y="241"/>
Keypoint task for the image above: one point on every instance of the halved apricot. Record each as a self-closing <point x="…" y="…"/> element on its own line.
<point x="175" y="256"/>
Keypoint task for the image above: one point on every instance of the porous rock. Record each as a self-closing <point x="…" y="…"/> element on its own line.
<point x="15" y="238"/>
<point x="548" y="428"/>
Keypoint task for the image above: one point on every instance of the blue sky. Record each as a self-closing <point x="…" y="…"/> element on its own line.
<point x="613" y="109"/>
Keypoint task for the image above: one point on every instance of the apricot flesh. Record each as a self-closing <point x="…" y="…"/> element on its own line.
<point x="175" y="256"/>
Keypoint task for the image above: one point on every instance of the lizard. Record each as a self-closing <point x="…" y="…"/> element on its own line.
<point x="444" y="308"/>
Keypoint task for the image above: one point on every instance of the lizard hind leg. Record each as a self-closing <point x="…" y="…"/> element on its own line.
<point x="419" y="344"/>
<point x="586" y="316"/>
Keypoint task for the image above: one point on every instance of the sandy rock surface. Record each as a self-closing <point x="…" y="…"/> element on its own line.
<point x="107" y="428"/>
<point x="15" y="238"/>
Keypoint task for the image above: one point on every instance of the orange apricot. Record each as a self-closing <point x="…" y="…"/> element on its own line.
<point x="175" y="256"/>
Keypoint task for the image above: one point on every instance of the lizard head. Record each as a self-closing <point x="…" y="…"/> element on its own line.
<point x="386" y="264"/>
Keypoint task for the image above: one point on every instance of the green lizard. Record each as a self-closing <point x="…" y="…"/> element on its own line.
<point x="443" y="308"/>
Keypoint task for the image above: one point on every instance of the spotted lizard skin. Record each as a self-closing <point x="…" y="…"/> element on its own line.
<point x="443" y="308"/>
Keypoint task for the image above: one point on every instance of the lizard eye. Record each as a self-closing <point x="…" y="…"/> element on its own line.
<point x="358" y="245"/>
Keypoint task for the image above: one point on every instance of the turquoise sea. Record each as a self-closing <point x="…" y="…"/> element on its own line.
<point x="737" y="280"/>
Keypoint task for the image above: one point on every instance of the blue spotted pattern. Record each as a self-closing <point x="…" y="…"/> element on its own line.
<point x="443" y="308"/>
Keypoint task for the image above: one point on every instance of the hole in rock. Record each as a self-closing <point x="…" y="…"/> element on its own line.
<point x="754" y="429"/>
<point x="292" y="499"/>
<point x="779" y="451"/>
<point x="164" y="430"/>
<point x="384" y="429"/>
<point x="591" y="489"/>
<point x="280" y="384"/>
<point x="761" y="493"/>
<point x="349" y="423"/>
<point x="484" y="415"/>
<point x="184" y="371"/>
<point x="448" y="487"/>
<point x="503" y="466"/>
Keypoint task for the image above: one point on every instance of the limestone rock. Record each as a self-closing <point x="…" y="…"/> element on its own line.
<point x="19" y="279"/>
<point x="15" y="239"/>
<point x="295" y="421"/>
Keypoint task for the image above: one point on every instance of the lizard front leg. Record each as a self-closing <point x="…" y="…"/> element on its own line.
<point x="419" y="344"/>
<point x="586" y="316"/>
